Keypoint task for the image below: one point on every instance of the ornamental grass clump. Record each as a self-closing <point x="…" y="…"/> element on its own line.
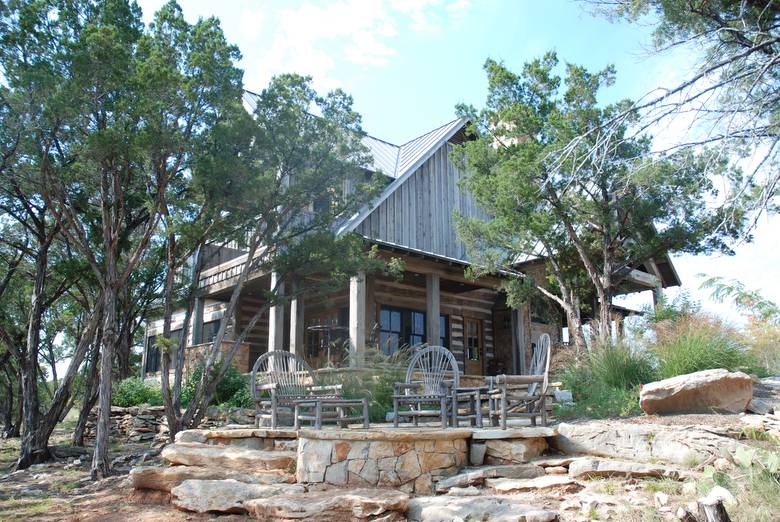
<point x="695" y="342"/>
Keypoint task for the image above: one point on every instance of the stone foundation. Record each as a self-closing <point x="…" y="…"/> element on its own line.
<point x="408" y="460"/>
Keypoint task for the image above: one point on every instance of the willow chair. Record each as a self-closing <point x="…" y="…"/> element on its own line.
<point x="431" y="377"/>
<point x="522" y="395"/>
<point x="279" y="380"/>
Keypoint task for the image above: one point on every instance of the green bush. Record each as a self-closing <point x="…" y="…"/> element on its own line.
<point x="694" y="342"/>
<point x="134" y="391"/>
<point x="595" y="398"/>
<point x="232" y="390"/>
<point x="619" y="366"/>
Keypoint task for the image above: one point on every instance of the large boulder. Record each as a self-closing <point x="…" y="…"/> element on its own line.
<point x="461" y="509"/>
<point x="224" y="496"/>
<point x="700" y="392"/>
<point x="165" y="478"/>
<point x="246" y="460"/>
<point x="643" y="442"/>
<point x="359" y="504"/>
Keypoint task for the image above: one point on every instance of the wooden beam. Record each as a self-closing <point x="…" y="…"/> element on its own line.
<point x="276" y="317"/>
<point x="432" y="308"/>
<point x="357" y="320"/>
<point x="643" y="278"/>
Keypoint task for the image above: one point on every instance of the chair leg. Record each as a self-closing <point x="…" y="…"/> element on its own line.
<point x="297" y="422"/>
<point x="503" y="411"/>
<point x="318" y="415"/>
<point x="273" y="410"/>
<point x="365" y="413"/>
<point x="444" y="412"/>
<point x="395" y="413"/>
<point x="454" y="404"/>
<point x="478" y="410"/>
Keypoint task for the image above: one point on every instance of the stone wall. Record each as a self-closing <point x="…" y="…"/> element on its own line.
<point x="147" y="424"/>
<point x="410" y="461"/>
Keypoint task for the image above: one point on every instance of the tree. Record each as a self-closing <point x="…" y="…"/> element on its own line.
<point x="592" y="219"/>
<point x="732" y="91"/>
<point x="115" y="110"/>
<point x="282" y="197"/>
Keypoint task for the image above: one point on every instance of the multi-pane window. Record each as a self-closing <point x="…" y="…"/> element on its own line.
<point x="399" y="327"/>
<point x="473" y="339"/>
<point x="210" y="330"/>
<point x="153" y="351"/>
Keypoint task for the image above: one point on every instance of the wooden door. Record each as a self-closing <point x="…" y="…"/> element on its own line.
<point x="474" y="346"/>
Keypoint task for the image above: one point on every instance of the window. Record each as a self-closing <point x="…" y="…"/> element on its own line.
<point x="473" y="339"/>
<point x="210" y="330"/>
<point x="153" y="351"/>
<point x="399" y="327"/>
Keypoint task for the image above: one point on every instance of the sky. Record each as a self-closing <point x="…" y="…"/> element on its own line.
<point x="407" y="63"/>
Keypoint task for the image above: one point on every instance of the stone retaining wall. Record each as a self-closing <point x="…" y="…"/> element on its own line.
<point x="406" y="460"/>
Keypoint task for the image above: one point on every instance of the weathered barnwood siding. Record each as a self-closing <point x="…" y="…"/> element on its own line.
<point x="420" y="212"/>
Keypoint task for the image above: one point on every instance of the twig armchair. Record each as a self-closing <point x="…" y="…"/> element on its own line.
<point x="522" y="395"/>
<point x="431" y="377"/>
<point x="279" y="379"/>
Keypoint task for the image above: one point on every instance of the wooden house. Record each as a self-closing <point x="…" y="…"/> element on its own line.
<point x="412" y="219"/>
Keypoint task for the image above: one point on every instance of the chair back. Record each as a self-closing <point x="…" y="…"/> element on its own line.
<point x="431" y="367"/>
<point x="291" y="374"/>
<point x="540" y="365"/>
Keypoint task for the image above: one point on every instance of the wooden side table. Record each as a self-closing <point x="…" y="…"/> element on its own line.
<point x="474" y="396"/>
<point x="319" y="410"/>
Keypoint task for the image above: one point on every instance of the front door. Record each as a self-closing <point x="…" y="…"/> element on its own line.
<point x="474" y="347"/>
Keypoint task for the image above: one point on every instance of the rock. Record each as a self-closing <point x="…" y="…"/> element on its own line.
<point x="528" y="432"/>
<point x="165" y="478"/>
<point x="478" y="476"/>
<point x="470" y="491"/>
<point x="700" y="392"/>
<point x="338" y="504"/>
<point x="477" y="454"/>
<point x="760" y="407"/>
<point x="644" y="442"/>
<point x="224" y="496"/>
<point x="583" y="468"/>
<point x="514" y="451"/>
<point x="563" y="396"/>
<point x="556" y="470"/>
<point x="507" y="486"/>
<point x="721" y="464"/>
<point x="249" y="461"/>
<point x="495" y="509"/>
<point x="661" y="499"/>
<point x="719" y="493"/>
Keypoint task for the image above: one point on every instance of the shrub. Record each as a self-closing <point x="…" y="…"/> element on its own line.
<point x="695" y="342"/>
<point x="232" y="390"/>
<point x="134" y="391"/>
<point x="594" y="398"/>
<point x="619" y="366"/>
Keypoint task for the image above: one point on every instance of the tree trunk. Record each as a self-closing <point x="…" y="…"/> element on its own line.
<point x="17" y="425"/>
<point x="125" y="334"/>
<point x="33" y="450"/>
<point x="90" y="395"/>
<point x="101" y="466"/>
<point x="8" y="408"/>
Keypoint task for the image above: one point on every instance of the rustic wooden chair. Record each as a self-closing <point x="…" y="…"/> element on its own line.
<point x="522" y="395"/>
<point x="279" y="379"/>
<point x="431" y="377"/>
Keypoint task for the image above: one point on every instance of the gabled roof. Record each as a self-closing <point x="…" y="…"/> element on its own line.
<point x="408" y="157"/>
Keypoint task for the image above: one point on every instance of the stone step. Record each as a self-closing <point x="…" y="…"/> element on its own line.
<point x="485" y="507"/>
<point x="586" y="468"/>
<point x="165" y="478"/>
<point x="239" y="459"/>
<point x="361" y="504"/>
<point x="477" y="476"/>
<point x="225" y="496"/>
<point x="506" y="486"/>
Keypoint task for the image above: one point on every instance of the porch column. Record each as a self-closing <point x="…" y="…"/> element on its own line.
<point x="296" y="320"/>
<point x="357" y="319"/>
<point x="276" y="317"/>
<point x="432" y="310"/>
<point x="197" y="321"/>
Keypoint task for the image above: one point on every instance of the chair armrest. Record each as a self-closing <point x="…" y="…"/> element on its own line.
<point x="327" y="387"/>
<point x="269" y="386"/>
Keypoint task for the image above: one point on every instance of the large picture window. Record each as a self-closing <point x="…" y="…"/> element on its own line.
<point x="401" y="327"/>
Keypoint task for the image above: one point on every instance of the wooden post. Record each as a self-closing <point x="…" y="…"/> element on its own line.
<point x="197" y="321"/>
<point x="432" y="300"/>
<point x="276" y="318"/>
<point x="658" y="295"/>
<point x="296" y="321"/>
<point x="357" y="320"/>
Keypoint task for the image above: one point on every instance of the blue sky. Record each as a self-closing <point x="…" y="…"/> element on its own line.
<point x="408" y="62"/>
